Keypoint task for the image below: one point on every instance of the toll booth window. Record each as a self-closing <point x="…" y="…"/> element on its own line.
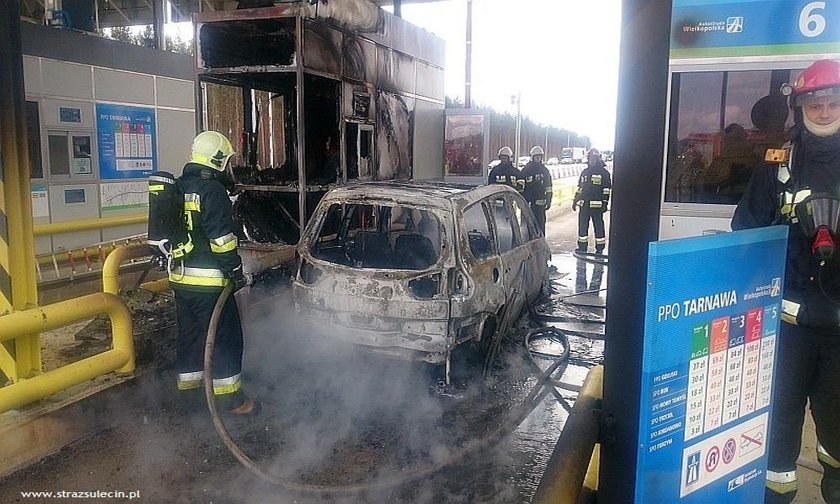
<point x="504" y="225"/>
<point x="59" y="154"/>
<point x="373" y="236"/>
<point x="33" y="133"/>
<point x="721" y="124"/>
<point x="478" y="231"/>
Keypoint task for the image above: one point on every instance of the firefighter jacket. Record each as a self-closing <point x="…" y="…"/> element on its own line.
<point x="209" y="220"/>
<point x="538" y="188"/>
<point x="769" y="199"/>
<point x="594" y="187"/>
<point x="505" y="173"/>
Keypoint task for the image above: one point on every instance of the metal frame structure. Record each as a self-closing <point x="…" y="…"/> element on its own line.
<point x="394" y="42"/>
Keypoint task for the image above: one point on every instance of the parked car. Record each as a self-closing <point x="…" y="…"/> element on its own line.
<point x="414" y="270"/>
<point x="552" y="161"/>
<point x="523" y="160"/>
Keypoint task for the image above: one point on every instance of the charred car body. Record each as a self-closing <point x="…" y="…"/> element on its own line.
<point x="414" y="270"/>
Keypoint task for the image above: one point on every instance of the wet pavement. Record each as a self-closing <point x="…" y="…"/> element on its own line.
<point x="334" y="417"/>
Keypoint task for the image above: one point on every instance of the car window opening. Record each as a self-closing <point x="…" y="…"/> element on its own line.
<point x="378" y="236"/>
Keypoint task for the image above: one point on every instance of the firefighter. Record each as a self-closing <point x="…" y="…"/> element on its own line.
<point x="593" y="197"/>
<point x="200" y="276"/>
<point x="789" y="189"/>
<point x="504" y="172"/>
<point x="537" y="189"/>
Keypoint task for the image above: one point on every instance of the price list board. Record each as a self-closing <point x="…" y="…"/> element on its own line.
<point x="712" y="317"/>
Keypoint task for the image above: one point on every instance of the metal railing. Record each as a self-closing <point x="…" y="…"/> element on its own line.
<point x="119" y="358"/>
<point x="89" y="260"/>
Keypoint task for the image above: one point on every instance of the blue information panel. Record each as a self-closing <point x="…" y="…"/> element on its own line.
<point x="712" y="315"/>
<point x="127" y="143"/>
<point x="754" y="27"/>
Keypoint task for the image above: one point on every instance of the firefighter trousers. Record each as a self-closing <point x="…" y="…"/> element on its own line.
<point x="596" y="215"/>
<point x="807" y="369"/>
<point x="194" y="310"/>
<point x="539" y="215"/>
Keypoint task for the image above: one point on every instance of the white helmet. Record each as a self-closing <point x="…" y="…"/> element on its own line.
<point x="211" y="149"/>
<point x="537" y="151"/>
<point x="505" y="151"/>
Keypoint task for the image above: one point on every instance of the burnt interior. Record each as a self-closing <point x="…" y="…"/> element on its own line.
<point x="322" y="133"/>
<point x="250" y="42"/>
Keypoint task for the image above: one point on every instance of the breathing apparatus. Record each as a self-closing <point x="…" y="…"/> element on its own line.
<point x="170" y="209"/>
<point x="819" y="219"/>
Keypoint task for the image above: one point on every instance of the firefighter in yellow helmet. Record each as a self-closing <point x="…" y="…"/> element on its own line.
<point x="504" y="172"/>
<point x="538" y="186"/>
<point x="199" y="276"/>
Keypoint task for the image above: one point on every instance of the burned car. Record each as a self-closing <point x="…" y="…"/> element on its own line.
<point x="412" y="270"/>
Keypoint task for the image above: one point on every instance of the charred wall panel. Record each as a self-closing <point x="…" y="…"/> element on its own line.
<point x="404" y="73"/>
<point x="394" y="133"/>
<point x="359" y="57"/>
<point x="322" y="47"/>
<point x="429" y="81"/>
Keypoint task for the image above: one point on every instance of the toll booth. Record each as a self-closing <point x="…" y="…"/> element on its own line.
<point x="314" y="96"/>
<point x="726" y="108"/>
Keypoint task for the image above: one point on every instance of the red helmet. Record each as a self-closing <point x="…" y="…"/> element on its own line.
<point x="820" y="79"/>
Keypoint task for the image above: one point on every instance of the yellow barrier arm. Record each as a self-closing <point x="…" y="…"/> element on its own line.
<point x="119" y="358"/>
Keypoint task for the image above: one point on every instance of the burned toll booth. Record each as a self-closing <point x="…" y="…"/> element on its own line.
<point x="315" y="96"/>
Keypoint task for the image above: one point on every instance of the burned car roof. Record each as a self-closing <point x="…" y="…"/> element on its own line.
<point x="433" y="193"/>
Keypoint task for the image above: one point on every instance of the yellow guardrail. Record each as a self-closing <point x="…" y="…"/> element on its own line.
<point x="119" y="358"/>
<point x="111" y="269"/>
<point x="566" y="473"/>
<point x="86" y="224"/>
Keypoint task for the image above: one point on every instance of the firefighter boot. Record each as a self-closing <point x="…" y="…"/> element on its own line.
<point x="238" y="403"/>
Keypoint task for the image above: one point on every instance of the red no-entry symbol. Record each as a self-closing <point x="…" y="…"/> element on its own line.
<point x="712" y="459"/>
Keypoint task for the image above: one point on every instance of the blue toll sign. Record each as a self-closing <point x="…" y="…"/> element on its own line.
<point x="712" y="315"/>
<point x="720" y="28"/>
<point x="127" y="141"/>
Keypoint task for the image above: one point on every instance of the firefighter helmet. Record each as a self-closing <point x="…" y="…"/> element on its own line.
<point x="817" y="84"/>
<point x="820" y="79"/>
<point x="505" y="151"/>
<point x="211" y="149"/>
<point x="537" y="151"/>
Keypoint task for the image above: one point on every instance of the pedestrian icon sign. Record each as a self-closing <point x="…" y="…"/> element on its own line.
<point x="692" y="472"/>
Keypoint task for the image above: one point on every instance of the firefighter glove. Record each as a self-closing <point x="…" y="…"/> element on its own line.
<point x="238" y="278"/>
<point x="574" y="205"/>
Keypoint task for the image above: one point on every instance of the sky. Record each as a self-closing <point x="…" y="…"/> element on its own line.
<point x="562" y="55"/>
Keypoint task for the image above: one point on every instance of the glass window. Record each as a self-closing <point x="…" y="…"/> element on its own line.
<point x="527" y="228"/>
<point x="720" y="126"/>
<point x="478" y="231"/>
<point x="59" y="154"/>
<point x="225" y="112"/>
<point x="374" y="236"/>
<point x="504" y="225"/>
<point x="33" y="133"/>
